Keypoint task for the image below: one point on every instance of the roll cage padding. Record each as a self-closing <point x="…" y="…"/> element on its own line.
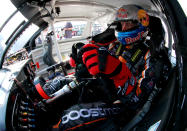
<point x="157" y="35"/>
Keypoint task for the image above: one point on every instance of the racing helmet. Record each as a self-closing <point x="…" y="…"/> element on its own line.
<point x="131" y="24"/>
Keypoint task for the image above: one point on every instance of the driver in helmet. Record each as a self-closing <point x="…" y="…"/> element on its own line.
<point x="127" y="59"/>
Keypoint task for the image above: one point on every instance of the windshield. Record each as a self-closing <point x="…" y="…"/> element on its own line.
<point x="9" y="11"/>
<point x="69" y="29"/>
<point x="25" y="36"/>
<point x="183" y="4"/>
<point x="10" y="27"/>
<point x="4" y="16"/>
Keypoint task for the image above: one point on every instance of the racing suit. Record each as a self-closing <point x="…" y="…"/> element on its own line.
<point x="133" y="73"/>
<point x="131" y="91"/>
<point x="132" y="69"/>
<point x="142" y="66"/>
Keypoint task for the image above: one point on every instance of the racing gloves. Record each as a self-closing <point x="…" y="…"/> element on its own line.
<point x="100" y="62"/>
<point x="72" y="61"/>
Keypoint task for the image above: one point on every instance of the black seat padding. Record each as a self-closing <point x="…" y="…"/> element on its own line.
<point x="161" y="108"/>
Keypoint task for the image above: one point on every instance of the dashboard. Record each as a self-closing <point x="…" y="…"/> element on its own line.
<point x="12" y="79"/>
<point x="18" y="56"/>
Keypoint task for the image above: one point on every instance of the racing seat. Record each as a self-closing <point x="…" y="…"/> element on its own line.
<point x="162" y="104"/>
<point x="166" y="80"/>
<point x="158" y="114"/>
<point x="161" y="109"/>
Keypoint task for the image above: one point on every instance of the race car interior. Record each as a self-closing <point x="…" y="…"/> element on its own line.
<point x="35" y="64"/>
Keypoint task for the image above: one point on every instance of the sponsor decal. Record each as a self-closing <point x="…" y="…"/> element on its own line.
<point x="132" y="40"/>
<point x="122" y="13"/>
<point x="89" y="113"/>
<point x="57" y="82"/>
<point x="143" y="17"/>
<point x="122" y="91"/>
<point x="136" y="54"/>
<point x="134" y="99"/>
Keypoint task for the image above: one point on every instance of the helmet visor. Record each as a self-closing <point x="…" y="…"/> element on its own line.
<point x="126" y="25"/>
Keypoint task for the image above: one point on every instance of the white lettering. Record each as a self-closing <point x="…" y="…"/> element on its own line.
<point x="73" y="115"/>
<point x="86" y="113"/>
<point x="94" y="112"/>
<point x="131" y="40"/>
<point x="83" y="114"/>
<point x="65" y="119"/>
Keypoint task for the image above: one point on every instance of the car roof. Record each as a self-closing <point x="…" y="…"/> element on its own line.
<point x="75" y="9"/>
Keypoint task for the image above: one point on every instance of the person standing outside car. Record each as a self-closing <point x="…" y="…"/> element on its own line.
<point x="68" y="30"/>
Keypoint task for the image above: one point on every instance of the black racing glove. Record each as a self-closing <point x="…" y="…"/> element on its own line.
<point x="46" y="89"/>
